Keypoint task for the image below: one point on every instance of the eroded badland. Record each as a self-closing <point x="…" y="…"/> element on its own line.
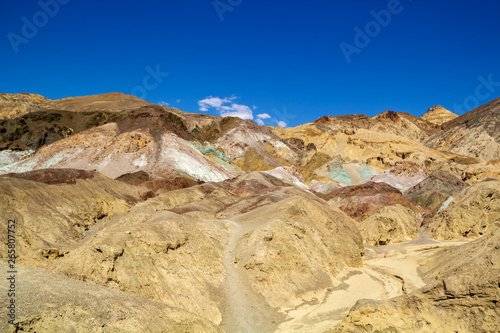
<point x="135" y="217"/>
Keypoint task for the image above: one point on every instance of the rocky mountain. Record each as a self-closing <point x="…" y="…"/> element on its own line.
<point x="185" y="222"/>
<point x="438" y="115"/>
<point x="473" y="134"/>
<point x="354" y="156"/>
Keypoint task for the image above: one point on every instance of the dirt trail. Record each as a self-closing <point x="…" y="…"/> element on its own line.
<point x="388" y="271"/>
<point x="244" y="311"/>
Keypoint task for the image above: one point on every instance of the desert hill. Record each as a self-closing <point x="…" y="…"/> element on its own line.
<point x="72" y="303"/>
<point x="186" y="222"/>
<point x="473" y="134"/>
<point x="438" y="115"/>
<point x="15" y="105"/>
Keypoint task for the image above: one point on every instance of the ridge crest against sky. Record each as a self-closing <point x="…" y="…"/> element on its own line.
<point x="279" y="63"/>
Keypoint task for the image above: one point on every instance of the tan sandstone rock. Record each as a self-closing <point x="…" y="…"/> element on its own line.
<point x="438" y="115"/>
<point x="473" y="212"/>
<point x="462" y="296"/>
<point x="48" y="302"/>
<point x="391" y="224"/>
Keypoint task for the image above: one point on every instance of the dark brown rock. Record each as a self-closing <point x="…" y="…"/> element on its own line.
<point x="361" y="201"/>
<point x="54" y="176"/>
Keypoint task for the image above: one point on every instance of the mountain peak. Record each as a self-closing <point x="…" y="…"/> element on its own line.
<point x="438" y="115"/>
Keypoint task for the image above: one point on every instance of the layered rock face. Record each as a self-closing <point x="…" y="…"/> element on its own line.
<point x="402" y="176"/>
<point x="30" y="121"/>
<point x="183" y="222"/>
<point x="346" y="149"/>
<point x="439" y="181"/>
<point x="398" y="123"/>
<point x="147" y="140"/>
<point x="365" y="149"/>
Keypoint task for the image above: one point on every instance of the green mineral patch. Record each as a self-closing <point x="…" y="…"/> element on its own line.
<point x="366" y="173"/>
<point x="210" y="150"/>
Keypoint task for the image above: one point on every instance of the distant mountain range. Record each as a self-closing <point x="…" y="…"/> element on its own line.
<point x="119" y="134"/>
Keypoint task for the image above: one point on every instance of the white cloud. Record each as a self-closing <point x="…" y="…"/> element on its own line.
<point x="254" y="107"/>
<point x="263" y="116"/>
<point x="236" y="110"/>
<point x="163" y="103"/>
<point x="214" y="102"/>
<point x="226" y="107"/>
<point x="178" y="100"/>
<point x="281" y="123"/>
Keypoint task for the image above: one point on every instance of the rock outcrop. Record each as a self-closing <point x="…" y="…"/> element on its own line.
<point x="431" y="193"/>
<point x="378" y="143"/>
<point x="377" y="149"/>
<point x="52" y="303"/>
<point x="473" y="212"/>
<point x="362" y="201"/>
<point x="55" y="209"/>
<point x="147" y="140"/>
<point x="253" y="148"/>
<point x="398" y="123"/>
<point x="344" y="149"/>
<point x="15" y="105"/>
<point x="439" y="181"/>
<point x="391" y="224"/>
<point x="402" y="176"/>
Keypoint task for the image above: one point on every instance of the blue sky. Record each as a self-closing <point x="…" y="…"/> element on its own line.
<point x="279" y="59"/>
